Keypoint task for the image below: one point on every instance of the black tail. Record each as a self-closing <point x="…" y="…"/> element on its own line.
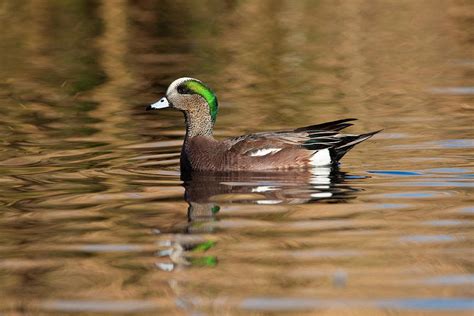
<point x="348" y="142"/>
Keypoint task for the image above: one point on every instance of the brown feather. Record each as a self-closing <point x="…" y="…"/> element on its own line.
<point x="206" y="153"/>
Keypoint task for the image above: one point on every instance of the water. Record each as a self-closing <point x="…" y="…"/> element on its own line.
<point x="95" y="218"/>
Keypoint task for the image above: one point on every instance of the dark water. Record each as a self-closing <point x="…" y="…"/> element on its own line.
<point x="95" y="219"/>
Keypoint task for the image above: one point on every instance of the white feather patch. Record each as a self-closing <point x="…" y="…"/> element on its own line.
<point x="264" y="152"/>
<point x="321" y="158"/>
<point x="269" y="202"/>
<point x="263" y="188"/>
<point x="320" y="195"/>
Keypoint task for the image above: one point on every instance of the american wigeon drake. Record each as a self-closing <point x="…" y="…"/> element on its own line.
<point x="304" y="147"/>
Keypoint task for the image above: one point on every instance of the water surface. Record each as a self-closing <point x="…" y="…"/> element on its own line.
<point x="95" y="218"/>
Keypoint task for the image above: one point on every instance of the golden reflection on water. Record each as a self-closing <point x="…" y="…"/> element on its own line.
<point x="95" y="218"/>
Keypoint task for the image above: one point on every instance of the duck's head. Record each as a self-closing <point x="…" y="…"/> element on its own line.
<point x="192" y="97"/>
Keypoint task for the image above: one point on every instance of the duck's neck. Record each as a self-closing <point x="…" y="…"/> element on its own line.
<point x="197" y="125"/>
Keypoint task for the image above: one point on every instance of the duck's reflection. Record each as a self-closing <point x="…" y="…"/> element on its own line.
<point x="204" y="192"/>
<point x="207" y="192"/>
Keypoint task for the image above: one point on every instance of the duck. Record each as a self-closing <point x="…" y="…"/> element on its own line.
<point x="312" y="146"/>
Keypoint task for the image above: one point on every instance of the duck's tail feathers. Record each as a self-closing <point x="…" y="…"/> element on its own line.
<point x="328" y="126"/>
<point x="348" y="142"/>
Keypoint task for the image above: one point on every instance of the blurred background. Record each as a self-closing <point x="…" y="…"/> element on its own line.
<point x="92" y="214"/>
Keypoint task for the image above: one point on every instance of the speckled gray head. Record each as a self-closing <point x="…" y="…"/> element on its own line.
<point x="188" y="94"/>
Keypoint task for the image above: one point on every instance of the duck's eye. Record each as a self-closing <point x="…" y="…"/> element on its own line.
<point x="184" y="90"/>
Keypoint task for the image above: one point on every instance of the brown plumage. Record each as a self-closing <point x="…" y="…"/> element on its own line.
<point x="304" y="147"/>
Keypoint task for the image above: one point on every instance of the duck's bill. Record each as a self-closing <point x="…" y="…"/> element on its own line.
<point x="161" y="104"/>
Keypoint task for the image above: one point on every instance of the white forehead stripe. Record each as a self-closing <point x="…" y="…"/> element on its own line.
<point x="174" y="85"/>
<point x="264" y="152"/>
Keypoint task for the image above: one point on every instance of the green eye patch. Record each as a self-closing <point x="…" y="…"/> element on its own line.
<point x="196" y="87"/>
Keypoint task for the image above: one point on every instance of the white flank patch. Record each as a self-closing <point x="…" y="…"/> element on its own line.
<point x="321" y="158"/>
<point x="264" y="152"/>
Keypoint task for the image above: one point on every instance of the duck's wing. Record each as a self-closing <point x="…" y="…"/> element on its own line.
<point x="313" y="138"/>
